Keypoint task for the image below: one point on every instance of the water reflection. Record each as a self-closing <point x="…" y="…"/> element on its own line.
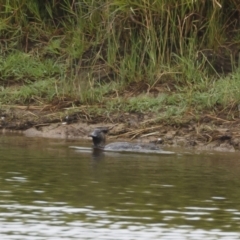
<point x="52" y="222"/>
<point x="48" y="191"/>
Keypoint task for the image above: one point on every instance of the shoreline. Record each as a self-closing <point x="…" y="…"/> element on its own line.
<point x="211" y="135"/>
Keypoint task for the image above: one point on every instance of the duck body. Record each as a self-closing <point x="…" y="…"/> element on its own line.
<point x="99" y="139"/>
<point x="130" y="146"/>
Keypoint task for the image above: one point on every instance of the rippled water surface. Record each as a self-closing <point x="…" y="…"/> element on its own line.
<point x="49" y="191"/>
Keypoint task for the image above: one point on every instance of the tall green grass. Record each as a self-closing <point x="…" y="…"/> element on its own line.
<point x="95" y="50"/>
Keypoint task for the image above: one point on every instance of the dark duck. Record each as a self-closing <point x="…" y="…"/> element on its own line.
<point x="99" y="139"/>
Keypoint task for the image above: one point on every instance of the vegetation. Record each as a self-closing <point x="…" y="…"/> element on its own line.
<point x="167" y="57"/>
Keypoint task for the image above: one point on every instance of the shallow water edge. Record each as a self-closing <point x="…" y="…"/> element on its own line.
<point x="205" y="137"/>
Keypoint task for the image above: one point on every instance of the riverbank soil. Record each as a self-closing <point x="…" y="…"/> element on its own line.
<point x="207" y="133"/>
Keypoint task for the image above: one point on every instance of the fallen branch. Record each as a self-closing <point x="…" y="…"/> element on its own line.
<point x="137" y="132"/>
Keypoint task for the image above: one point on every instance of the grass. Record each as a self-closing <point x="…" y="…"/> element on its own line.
<point x="19" y="67"/>
<point x="101" y="52"/>
<point x="36" y="92"/>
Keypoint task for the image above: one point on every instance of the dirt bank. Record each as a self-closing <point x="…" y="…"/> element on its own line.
<point x="208" y="133"/>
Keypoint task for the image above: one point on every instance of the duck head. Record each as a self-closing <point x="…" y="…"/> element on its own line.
<point x="98" y="137"/>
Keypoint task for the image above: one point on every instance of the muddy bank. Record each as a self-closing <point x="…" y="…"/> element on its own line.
<point x="206" y="134"/>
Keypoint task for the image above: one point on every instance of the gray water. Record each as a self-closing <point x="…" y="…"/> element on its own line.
<point x="49" y="191"/>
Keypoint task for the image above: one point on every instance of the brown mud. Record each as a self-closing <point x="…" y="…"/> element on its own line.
<point x="208" y="133"/>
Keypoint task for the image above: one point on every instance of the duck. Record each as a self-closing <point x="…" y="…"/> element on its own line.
<point x="99" y="140"/>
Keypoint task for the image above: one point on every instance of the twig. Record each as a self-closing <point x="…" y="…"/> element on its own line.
<point x="137" y="132"/>
<point x="149" y="134"/>
<point x="217" y="118"/>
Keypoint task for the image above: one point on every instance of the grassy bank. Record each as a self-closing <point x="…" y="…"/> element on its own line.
<point x="171" y="58"/>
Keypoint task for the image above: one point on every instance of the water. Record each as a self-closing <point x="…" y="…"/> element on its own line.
<point x="49" y="191"/>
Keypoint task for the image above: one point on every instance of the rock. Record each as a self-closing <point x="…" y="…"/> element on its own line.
<point x="58" y="130"/>
<point x="170" y="135"/>
<point x="225" y="147"/>
<point x="235" y="142"/>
